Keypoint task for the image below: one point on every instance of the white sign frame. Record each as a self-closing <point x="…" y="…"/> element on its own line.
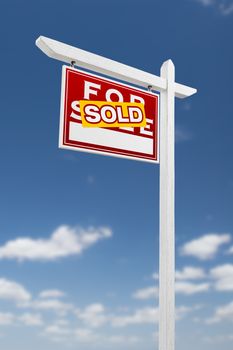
<point x="169" y="89"/>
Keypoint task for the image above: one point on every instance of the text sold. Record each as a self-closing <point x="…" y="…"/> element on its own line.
<point x="112" y="114"/>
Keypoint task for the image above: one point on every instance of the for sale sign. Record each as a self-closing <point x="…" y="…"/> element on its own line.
<point x="99" y="115"/>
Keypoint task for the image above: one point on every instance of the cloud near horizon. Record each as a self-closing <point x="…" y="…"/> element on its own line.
<point x="222" y="313"/>
<point x="223" y="277"/>
<point x="13" y="291"/>
<point x="51" y="293"/>
<point x="64" y="241"/>
<point x="205" y="247"/>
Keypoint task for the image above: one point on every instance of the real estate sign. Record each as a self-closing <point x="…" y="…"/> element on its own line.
<point x="109" y="107"/>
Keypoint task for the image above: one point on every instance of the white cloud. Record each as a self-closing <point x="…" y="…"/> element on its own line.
<point x="140" y="316"/>
<point x="93" y="315"/>
<point x="90" y="179"/>
<point x="56" y="329"/>
<point x="223" y="276"/>
<point x="224" y="7"/>
<point x="222" y="313"/>
<point x="230" y="250"/>
<point x="51" y="293"/>
<point x="6" y="318"/>
<point x="30" y="319"/>
<point x="10" y="290"/>
<point x="182" y="135"/>
<point x="121" y="339"/>
<point x="54" y="305"/>
<point x="187" y="273"/>
<point x="146" y="293"/>
<point x="87" y="336"/>
<point x="189" y="288"/>
<point x="64" y="241"/>
<point x="148" y="315"/>
<point x="186" y="106"/>
<point x="59" y="334"/>
<point x="183" y="286"/>
<point x="62" y="322"/>
<point x="206" y="2"/>
<point x="190" y="273"/>
<point x="182" y="311"/>
<point x="205" y="247"/>
<point x="84" y="334"/>
<point x="223" y="338"/>
<point x="155" y="276"/>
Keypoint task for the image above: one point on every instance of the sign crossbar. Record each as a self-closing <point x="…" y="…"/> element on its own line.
<point x="84" y="59"/>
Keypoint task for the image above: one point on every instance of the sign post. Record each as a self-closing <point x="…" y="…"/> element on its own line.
<point x="169" y="89"/>
<point x="167" y="212"/>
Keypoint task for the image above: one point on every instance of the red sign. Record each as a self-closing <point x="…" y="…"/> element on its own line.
<point x="129" y="142"/>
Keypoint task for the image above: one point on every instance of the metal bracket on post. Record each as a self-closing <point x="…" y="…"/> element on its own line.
<point x="149" y="88"/>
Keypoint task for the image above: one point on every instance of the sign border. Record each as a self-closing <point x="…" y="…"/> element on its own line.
<point x="87" y="150"/>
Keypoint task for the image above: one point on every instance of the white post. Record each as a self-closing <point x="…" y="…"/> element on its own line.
<point x="167" y="215"/>
<point x="168" y="88"/>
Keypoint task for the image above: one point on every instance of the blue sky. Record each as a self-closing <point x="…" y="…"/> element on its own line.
<point x="79" y="232"/>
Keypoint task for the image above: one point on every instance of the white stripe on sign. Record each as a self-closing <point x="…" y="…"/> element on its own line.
<point x="110" y="138"/>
